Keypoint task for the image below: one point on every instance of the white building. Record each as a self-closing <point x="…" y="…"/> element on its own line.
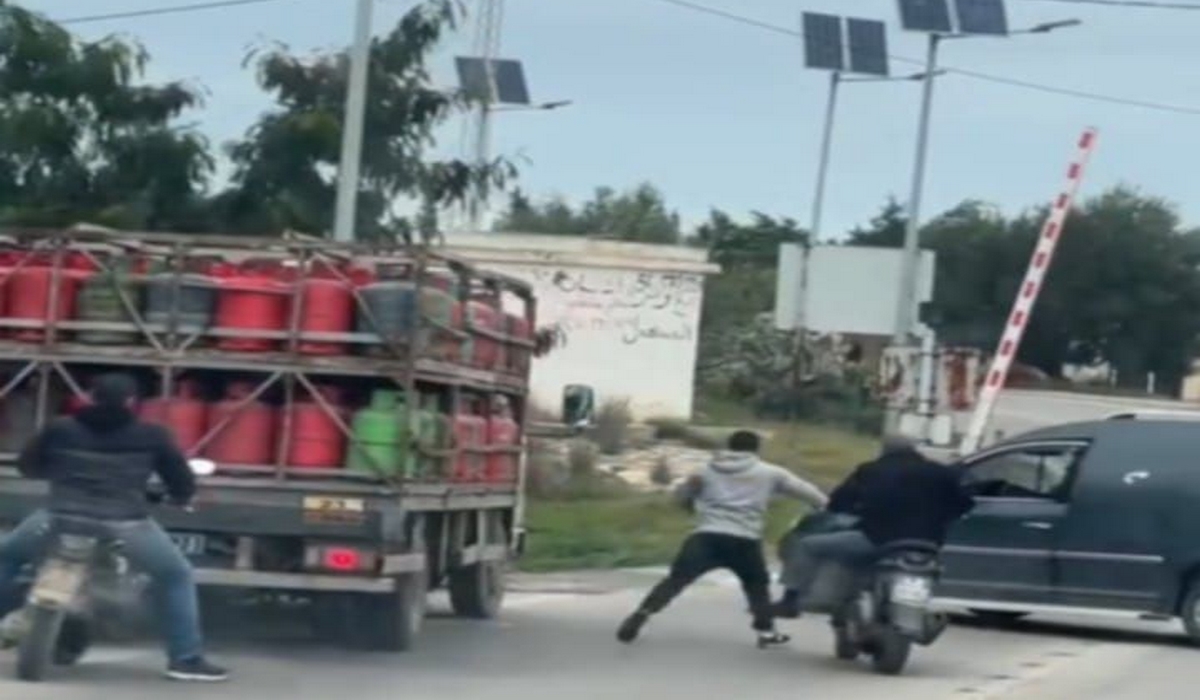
<point x="630" y="313"/>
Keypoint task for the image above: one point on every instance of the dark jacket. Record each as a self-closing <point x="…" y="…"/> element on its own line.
<point x="100" y="461"/>
<point x="902" y="496"/>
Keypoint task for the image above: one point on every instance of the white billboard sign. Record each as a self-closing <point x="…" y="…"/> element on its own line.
<point x="850" y="289"/>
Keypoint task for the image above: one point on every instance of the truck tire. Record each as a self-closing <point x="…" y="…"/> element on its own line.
<point x="392" y="621"/>
<point x="36" y="651"/>
<point x="332" y="618"/>
<point x="889" y="653"/>
<point x="477" y="591"/>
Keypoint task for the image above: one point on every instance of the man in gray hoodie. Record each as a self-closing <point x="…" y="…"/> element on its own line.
<point x="729" y="497"/>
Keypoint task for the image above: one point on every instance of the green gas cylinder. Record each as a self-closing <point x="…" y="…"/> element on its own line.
<point x="100" y="300"/>
<point x="433" y="434"/>
<point x="380" y="436"/>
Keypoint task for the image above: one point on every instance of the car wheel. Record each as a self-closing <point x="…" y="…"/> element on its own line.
<point x="1190" y="611"/>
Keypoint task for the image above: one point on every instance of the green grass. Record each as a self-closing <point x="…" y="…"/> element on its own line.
<point x="645" y="529"/>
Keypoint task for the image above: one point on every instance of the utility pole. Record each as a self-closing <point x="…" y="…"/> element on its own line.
<point x="906" y="299"/>
<point x="352" y="126"/>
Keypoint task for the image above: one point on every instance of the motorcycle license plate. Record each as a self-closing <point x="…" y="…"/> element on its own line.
<point x="191" y="545"/>
<point x="913" y="590"/>
<point x="57" y="582"/>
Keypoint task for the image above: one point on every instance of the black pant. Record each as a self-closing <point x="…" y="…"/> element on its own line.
<point x="706" y="551"/>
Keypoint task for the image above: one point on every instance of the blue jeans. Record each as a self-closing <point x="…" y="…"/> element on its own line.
<point x="803" y="555"/>
<point x="147" y="548"/>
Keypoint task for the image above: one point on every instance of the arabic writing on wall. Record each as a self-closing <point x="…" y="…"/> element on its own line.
<point x="641" y="307"/>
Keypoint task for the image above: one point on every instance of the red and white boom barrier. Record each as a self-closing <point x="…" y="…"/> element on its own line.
<point x="1027" y="294"/>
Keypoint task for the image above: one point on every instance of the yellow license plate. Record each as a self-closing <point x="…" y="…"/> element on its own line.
<point x="334" y="510"/>
<point x="333" y="504"/>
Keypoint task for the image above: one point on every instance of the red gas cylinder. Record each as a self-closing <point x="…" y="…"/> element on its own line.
<point x="485" y="350"/>
<point x="502" y="431"/>
<point x="74" y="403"/>
<point x="185" y="415"/>
<point x="470" y="432"/>
<point x="517" y="359"/>
<point x="30" y="289"/>
<point x="327" y="306"/>
<point x="8" y="261"/>
<point x="317" y="441"/>
<point x="249" y="436"/>
<point x="251" y="298"/>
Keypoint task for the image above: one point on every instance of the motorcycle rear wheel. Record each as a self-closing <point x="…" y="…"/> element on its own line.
<point x="890" y="652"/>
<point x="844" y="646"/>
<point x="35" y="655"/>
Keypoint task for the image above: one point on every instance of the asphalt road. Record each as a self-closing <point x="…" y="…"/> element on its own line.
<point x="555" y="641"/>
<point x="1020" y="411"/>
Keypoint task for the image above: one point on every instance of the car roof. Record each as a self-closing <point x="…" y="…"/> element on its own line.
<point x="1090" y="430"/>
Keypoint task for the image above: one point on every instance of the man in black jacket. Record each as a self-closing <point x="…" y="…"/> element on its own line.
<point x="98" y="463"/>
<point x="901" y="495"/>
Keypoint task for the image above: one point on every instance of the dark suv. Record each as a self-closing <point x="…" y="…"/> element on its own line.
<point x="1100" y="517"/>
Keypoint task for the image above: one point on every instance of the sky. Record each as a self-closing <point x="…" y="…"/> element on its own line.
<point x="719" y="114"/>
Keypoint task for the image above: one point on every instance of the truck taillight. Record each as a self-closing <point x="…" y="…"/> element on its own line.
<point x="340" y="558"/>
<point x="343" y="559"/>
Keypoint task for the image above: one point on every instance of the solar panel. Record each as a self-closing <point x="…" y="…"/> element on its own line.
<point x="981" y="17"/>
<point x="511" y="87"/>
<point x="510" y="82"/>
<point x="823" y="41"/>
<point x="868" y="46"/>
<point x="926" y="16"/>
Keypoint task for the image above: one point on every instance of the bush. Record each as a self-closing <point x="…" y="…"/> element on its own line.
<point x="581" y="460"/>
<point x="546" y="472"/>
<point x="612" y="426"/>
<point x="661" y="474"/>
<point x="669" y="429"/>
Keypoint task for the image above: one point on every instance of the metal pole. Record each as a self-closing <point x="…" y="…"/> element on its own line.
<point x="352" y="127"/>
<point x="907" y="297"/>
<point x="814" y="231"/>
<point x="799" y="338"/>
<point x="483" y="148"/>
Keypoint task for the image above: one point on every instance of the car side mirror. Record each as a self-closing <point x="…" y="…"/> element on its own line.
<point x="579" y="406"/>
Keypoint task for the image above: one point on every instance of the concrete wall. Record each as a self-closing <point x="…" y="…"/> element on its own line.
<point x="630" y="313"/>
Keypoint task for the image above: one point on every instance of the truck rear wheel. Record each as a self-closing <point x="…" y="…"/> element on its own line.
<point x="392" y="621"/>
<point x="477" y="590"/>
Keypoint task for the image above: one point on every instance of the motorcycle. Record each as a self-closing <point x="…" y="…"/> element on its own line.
<point x="81" y="571"/>
<point x="881" y="607"/>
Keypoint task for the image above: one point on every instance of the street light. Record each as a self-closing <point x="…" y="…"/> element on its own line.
<point x="921" y="15"/>
<point x="542" y="107"/>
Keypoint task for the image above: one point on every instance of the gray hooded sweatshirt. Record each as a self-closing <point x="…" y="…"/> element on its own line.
<point x="731" y="494"/>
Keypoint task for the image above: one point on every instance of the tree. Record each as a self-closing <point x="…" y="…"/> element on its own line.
<point x="736" y="299"/>
<point x="886" y="229"/>
<point x="1124" y="287"/>
<point x="82" y="140"/>
<point x="755" y="244"/>
<point x="284" y="167"/>
<point x="639" y="215"/>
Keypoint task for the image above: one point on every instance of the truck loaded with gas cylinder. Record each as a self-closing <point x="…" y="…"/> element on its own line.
<point x="364" y="407"/>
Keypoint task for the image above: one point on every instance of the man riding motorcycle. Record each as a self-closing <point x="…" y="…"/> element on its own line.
<point x="98" y="464"/>
<point x="900" y="495"/>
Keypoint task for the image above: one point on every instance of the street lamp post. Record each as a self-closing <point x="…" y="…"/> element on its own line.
<point x="352" y="125"/>
<point x="906" y="299"/>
